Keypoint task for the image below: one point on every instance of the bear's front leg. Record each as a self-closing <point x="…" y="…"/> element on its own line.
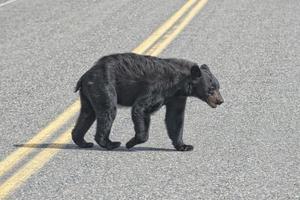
<point x="174" y="122"/>
<point x="141" y="121"/>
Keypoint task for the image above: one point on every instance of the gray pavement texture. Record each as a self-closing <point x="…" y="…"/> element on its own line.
<point x="249" y="148"/>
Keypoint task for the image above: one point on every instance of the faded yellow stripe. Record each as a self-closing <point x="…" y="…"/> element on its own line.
<point x="34" y="165"/>
<point x="164" y="27"/>
<point x="44" y="156"/>
<point x="15" y="157"/>
<point x="161" y="45"/>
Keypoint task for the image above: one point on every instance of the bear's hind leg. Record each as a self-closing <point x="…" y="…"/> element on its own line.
<point x="104" y="124"/>
<point x="104" y="103"/>
<point x="84" y="122"/>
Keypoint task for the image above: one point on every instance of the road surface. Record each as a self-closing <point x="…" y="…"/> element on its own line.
<point x="248" y="148"/>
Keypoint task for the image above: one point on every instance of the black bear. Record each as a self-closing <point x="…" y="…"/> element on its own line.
<point x="145" y="83"/>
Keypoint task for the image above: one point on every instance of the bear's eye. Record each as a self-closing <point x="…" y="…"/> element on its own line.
<point x="211" y="90"/>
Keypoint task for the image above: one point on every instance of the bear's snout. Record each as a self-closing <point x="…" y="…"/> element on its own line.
<point x="215" y="99"/>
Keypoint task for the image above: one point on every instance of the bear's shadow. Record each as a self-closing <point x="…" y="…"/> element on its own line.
<point x="94" y="148"/>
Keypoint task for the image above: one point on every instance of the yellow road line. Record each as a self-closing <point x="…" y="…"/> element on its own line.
<point x="164" y="27"/>
<point x="34" y="165"/>
<point x="45" y="155"/>
<point x="15" y="157"/>
<point x="161" y="45"/>
<point x="7" y="2"/>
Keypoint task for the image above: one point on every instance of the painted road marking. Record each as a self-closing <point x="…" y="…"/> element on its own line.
<point x="164" y="27"/>
<point x="174" y="31"/>
<point x="34" y="165"/>
<point x="7" y="2"/>
<point x="38" y="161"/>
<point x="15" y="157"/>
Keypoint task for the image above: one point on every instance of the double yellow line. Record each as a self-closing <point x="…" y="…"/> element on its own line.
<point x="153" y="45"/>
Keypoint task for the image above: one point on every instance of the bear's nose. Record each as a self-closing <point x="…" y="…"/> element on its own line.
<point x="220" y="101"/>
<point x="219" y="98"/>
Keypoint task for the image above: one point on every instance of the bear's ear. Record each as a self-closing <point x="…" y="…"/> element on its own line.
<point x="204" y="66"/>
<point x="195" y="72"/>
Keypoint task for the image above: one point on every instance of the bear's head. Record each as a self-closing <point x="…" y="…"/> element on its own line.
<point x="205" y="86"/>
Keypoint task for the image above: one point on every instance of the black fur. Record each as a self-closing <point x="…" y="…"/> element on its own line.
<point x="146" y="84"/>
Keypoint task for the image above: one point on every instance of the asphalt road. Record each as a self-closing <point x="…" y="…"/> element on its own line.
<point x="248" y="148"/>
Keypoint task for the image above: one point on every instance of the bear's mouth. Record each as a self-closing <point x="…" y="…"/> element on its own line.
<point x="211" y="103"/>
<point x="215" y="99"/>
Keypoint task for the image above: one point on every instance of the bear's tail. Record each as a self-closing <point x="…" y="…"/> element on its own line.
<point x="78" y="85"/>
